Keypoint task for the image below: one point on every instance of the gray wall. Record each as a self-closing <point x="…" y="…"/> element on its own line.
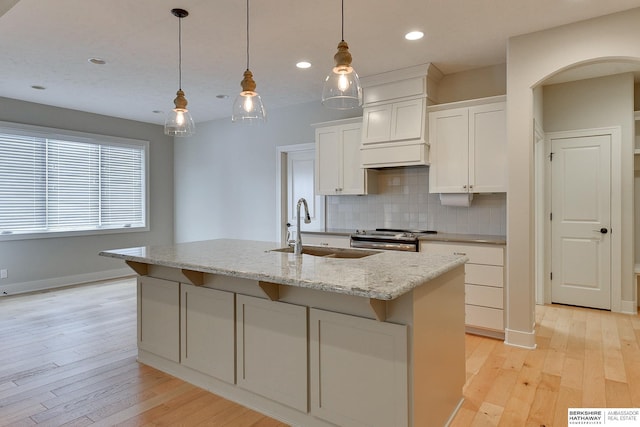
<point x="225" y="175"/>
<point x="39" y="263"/>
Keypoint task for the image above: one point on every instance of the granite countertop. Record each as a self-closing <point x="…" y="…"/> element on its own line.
<point x="464" y="238"/>
<point x="438" y="237"/>
<point x="385" y="275"/>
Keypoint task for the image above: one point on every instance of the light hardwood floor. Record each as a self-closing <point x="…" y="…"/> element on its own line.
<point x="67" y="357"/>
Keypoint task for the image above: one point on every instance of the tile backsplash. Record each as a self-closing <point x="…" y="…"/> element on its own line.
<point x="403" y="201"/>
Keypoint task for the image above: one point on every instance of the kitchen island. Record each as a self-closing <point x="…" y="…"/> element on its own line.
<point x="350" y="338"/>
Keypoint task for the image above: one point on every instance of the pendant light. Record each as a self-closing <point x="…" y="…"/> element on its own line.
<point x="179" y="121"/>
<point x="342" y="88"/>
<point x="248" y="107"/>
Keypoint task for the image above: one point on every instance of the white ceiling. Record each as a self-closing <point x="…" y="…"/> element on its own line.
<point x="48" y="43"/>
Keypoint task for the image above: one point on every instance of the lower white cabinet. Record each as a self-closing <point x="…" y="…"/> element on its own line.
<point x="330" y="240"/>
<point x="159" y="317"/>
<point x="272" y="350"/>
<point x="207" y="326"/>
<point x="484" y="284"/>
<point x="358" y="370"/>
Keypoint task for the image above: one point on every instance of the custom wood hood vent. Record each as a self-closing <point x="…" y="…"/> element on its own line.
<point x="394" y="121"/>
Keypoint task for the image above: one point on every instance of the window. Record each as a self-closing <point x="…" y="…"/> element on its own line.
<point x="54" y="181"/>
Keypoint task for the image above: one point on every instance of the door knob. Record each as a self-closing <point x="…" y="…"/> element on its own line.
<point x="603" y="230"/>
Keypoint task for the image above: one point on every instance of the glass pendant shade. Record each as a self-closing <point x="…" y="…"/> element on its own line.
<point x="248" y="107"/>
<point x="342" y="89"/>
<point x="179" y="121"/>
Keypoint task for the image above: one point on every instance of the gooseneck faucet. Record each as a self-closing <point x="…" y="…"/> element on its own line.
<point x="297" y="247"/>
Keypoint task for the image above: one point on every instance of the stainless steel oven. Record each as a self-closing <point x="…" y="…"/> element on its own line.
<point x="388" y="239"/>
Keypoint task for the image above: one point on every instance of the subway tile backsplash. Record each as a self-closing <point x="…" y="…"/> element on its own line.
<point x="403" y="201"/>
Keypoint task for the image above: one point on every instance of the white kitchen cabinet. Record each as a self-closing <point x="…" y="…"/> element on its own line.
<point x="159" y="317"/>
<point x="468" y="147"/>
<point x="395" y="121"/>
<point x="272" y="350"/>
<point x="484" y="284"/>
<point x="330" y="240"/>
<point x="207" y="323"/>
<point x="358" y="370"/>
<point x="338" y="162"/>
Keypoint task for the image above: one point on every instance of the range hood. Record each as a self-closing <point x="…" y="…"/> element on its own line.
<point x="395" y="123"/>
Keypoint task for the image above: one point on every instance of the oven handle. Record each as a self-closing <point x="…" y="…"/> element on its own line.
<point x="407" y="247"/>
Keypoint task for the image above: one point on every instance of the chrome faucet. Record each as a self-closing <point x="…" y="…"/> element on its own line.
<point x="297" y="247"/>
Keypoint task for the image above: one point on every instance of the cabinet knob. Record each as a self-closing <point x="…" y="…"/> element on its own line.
<point x="464" y="187"/>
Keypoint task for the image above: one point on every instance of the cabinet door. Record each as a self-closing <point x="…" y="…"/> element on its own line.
<point x="353" y="180"/>
<point x="449" y="138"/>
<point x="328" y="163"/>
<point x="407" y="119"/>
<point x="376" y="124"/>
<point x="159" y="317"/>
<point x="272" y="350"/>
<point x="358" y="372"/>
<point x="208" y="331"/>
<point x="488" y="148"/>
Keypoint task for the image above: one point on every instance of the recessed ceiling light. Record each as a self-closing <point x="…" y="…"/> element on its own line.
<point x="38" y="87"/>
<point x="222" y="96"/>
<point x="414" y="35"/>
<point x="97" y="61"/>
<point x="303" y="64"/>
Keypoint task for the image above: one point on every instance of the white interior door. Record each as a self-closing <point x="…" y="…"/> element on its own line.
<point x="301" y="183"/>
<point x="581" y="218"/>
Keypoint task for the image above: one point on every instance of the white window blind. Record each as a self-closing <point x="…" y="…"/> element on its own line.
<point x="53" y="183"/>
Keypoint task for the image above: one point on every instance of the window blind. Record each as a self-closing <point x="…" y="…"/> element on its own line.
<point x="58" y="184"/>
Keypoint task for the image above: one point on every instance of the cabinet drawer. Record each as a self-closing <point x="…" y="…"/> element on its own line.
<point x="484" y="317"/>
<point x="477" y="254"/>
<point x="326" y="240"/>
<point x="488" y="275"/>
<point x="484" y="296"/>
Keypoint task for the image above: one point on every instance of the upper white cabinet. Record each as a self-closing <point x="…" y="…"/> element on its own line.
<point x="394" y="120"/>
<point x="468" y="147"/>
<point x="338" y="164"/>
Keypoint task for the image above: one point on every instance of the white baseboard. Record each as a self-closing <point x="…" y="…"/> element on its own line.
<point x="628" y="307"/>
<point x="520" y="338"/>
<point x="58" y="282"/>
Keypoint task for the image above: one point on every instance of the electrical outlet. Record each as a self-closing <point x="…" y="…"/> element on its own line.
<point x="4" y="273"/>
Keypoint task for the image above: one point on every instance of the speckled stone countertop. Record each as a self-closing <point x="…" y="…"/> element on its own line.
<point x="384" y="276"/>
<point x="437" y="237"/>
<point x="464" y="238"/>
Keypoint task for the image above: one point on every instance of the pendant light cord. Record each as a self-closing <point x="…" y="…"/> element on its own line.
<point x="247" y="34"/>
<point x="180" y="53"/>
<point x="342" y="20"/>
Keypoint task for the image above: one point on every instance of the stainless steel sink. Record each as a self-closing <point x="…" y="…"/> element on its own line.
<point x="328" y="252"/>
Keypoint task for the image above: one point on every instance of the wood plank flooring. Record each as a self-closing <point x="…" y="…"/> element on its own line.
<point x="68" y="357"/>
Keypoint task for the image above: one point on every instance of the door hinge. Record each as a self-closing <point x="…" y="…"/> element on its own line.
<point x="551" y="157"/>
<point x="550" y="276"/>
<point x="550" y="216"/>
